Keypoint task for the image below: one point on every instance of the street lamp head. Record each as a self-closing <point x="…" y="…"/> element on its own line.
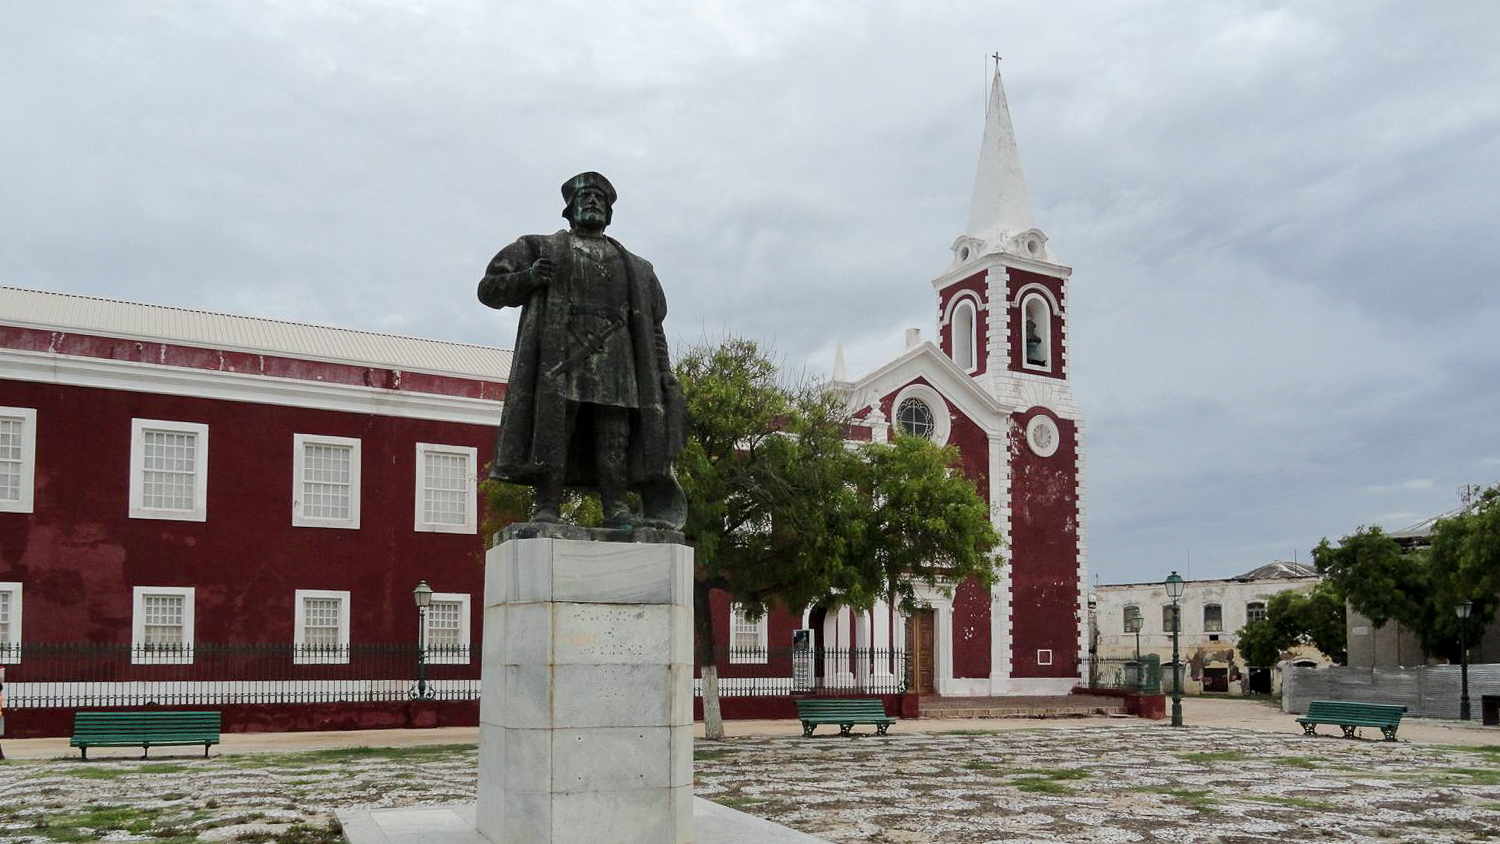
<point x="422" y="594"/>
<point x="1174" y="586"/>
<point x="1464" y="609"/>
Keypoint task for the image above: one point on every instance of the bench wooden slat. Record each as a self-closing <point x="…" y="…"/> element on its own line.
<point x="845" y="712"/>
<point x="147" y="729"/>
<point x="1349" y="716"/>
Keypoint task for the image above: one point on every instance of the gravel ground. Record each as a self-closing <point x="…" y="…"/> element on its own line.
<point x="1098" y="781"/>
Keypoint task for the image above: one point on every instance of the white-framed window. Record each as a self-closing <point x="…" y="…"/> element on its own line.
<point x="1132" y="619"/>
<point x="321" y="627"/>
<point x="919" y="410"/>
<point x="168" y="470"/>
<point x="1044" y="656"/>
<point x="1036" y="333"/>
<point x="325" y="481"/>
<point x="447" y="633"/>
<point x="1255" y="611"/>
<point x="17" y="459"/>
<point x="10" y="623"/>
<point x="161" y="624"/>
<point x="748" y="639"/>
<point x="447" y="488"/>
<point x="1213" y="618"/>
<point x="963" y="328"/>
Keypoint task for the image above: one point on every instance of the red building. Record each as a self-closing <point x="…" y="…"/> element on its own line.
<point x="234" y="511"/>
<point x="995" y="384"/>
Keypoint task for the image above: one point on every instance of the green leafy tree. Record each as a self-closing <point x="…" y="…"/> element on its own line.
<point x="781" y="512"/>
<point x="1419" y="588"/>
<point x="1315" y="617"/>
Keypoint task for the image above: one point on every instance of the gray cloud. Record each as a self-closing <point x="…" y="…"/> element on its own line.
<point x="1280" y="215"/>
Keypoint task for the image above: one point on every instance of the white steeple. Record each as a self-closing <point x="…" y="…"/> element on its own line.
<point x="1000" y="210"/>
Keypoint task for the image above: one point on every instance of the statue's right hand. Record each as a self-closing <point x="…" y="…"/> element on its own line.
<point x="541" y="271"/>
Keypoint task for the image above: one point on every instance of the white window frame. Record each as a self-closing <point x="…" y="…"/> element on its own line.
<point x="1044" y="656"/>
<point x="461" y="656"/>
<point x="965" y="307"/>
<point x="299" y="630"/>
<point x="471" y="491"/>
<point x="26" y="502"/>
<point x="762" y="637"/>
<point x="1043" y="330"/>
<point x="10" y="652"/>
<point x="300" y="442"/>
<point x="1219" y="625"/>
<point x="138" y="653"/>
<point x="138" y="510"/>
<point x="942" y="418"/>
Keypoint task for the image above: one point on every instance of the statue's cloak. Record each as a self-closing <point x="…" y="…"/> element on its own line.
<point x="531" y="435"/>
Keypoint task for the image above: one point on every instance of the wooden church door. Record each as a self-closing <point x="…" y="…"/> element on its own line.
<point x="921" y="661"/>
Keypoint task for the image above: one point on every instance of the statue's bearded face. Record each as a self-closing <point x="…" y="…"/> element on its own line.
<point x="590" y="209"/>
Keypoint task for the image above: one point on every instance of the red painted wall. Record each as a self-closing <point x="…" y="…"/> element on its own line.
<point x="1044" y="553"/>
<point x="78" y="554"/>
<point x="1018" y="279"/>
<point x="973" y="284"/>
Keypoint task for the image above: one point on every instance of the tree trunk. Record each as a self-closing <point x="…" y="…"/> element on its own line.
<point x="708" y="668"/>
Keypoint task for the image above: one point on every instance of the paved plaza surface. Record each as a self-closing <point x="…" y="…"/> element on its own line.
<point x="1239" y="773"/>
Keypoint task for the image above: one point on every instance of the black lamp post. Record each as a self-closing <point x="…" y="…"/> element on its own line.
<point x="1135" y="619"/>
<point x="1463" y="611"/>
<point x="423" y="596"/>
<point x="1174" y="591"/>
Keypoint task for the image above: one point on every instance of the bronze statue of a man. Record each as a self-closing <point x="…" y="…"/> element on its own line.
<point x="591" y="402"/>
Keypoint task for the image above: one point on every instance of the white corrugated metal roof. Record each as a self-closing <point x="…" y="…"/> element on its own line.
<point x="157" y="323"/>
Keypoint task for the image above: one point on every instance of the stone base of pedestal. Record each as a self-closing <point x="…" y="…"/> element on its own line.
<point x="586" y="718"/>
<point x="712" y="824"/>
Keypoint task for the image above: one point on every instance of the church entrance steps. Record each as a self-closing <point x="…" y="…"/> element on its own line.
<point x="1020" y="706"/>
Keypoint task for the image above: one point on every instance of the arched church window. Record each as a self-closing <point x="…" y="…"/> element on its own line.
<point x="915" y="418"/>
<point x="962" y="327"/>
<point x="1037" y="334"/>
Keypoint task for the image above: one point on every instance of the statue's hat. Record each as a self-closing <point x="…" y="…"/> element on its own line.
<point x="588" y="180"/>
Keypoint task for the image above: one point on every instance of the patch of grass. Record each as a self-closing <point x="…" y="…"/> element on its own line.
<point x="968" y="733"/>
<point x="1040" y="785"/>
<point x="86" y="824"/>
<point x="709" y="755"/>
<point x="1299" y="802"/>
<point x="98" y="773"/>
<point x="1294" y="762"/>
<point x="1053" y="773"/>
<point x="1214" y="756"/>
<point x="1196" y="798"/>
<point x="737" y="801"/>
<point x="1473" y="776"/>
<point x="981" y="766"/>
<point x="160" y="768"/>
<point x="423" y="753"/>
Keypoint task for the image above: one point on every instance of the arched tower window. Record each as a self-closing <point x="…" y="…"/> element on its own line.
<point x="1036" y="333"/>
<point x="964" y="335"/>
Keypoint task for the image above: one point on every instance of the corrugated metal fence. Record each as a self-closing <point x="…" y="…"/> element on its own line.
<point x="1428" y="691"/>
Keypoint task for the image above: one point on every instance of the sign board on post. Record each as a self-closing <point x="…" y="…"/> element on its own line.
<point x="802" y="661"/>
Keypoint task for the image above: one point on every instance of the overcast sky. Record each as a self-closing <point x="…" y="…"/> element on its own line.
<point x="1282" y="217"/>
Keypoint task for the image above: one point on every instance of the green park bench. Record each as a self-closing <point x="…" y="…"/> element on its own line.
<point x="147" y="729"/>
<point x="1351" y="716"/>
<point x="846" y="712"/>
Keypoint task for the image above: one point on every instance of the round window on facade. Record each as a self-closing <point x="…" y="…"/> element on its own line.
<point x="915" y="418"/>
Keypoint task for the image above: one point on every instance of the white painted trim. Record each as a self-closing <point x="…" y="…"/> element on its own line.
<point x="10" y="650"/>
<point x="1000" y="598"/>
<point x="836" y="648"/>
<point x="223" y="692"/>
<point x="1034" y="436"/>
<point x="1041" y="685"/>
<point x="299" y="629"/>
<point x="25" y="502"/>
<point x="300" y="442"/>
<point x="1044" y="331"/>
<point x="969" y="304"/>
<point x="760" y="654"/>
<point x="928" y="361"/>
<point x="999" y="260"/>
<point x="132" y="376"/>
<point x="461" y="657"/>
<point x="1043" y="656"/>
<point x="138" y="653"/>
<point x="942" y="634"/>
<point x="137" y="509"/>
<point x="1037" y="289"/>
<point x="942" y="416"/>
<point x="1081" y="526"/>
<point x="471" y="491"/>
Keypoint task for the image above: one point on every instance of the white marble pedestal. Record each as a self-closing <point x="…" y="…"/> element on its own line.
<point x="586" y="708"/>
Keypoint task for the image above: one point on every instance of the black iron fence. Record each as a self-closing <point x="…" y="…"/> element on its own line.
<point x="1137" y="675"/>
<point x="760" y="672"/>
<point x="81" y="675"/>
